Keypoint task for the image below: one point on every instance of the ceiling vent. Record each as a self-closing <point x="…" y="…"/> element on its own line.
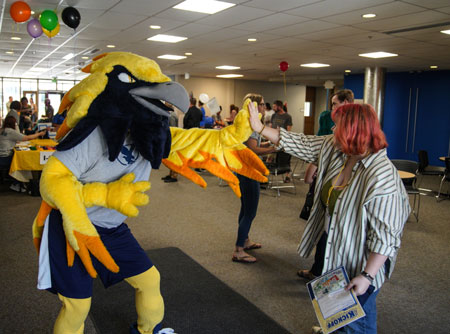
<point x="417" y="28"/>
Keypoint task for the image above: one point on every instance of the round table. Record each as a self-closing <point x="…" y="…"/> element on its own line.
<point x="406" y="175"/>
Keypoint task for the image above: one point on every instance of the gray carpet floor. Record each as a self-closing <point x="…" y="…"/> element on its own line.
<point x="203" y="224"/>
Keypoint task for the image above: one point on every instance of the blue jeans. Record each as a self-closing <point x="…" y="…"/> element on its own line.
<point x="249" y="206"/>
<point x="368" y="324"/>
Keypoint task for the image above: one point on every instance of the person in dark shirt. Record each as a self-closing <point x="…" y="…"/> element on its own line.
<point x="49" y="111"/>
<point x="193" y="116"/>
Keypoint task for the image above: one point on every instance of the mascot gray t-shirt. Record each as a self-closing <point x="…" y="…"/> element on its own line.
<point x="89" y="162"/>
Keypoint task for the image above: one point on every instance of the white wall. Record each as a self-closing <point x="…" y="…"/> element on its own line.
<point x="229" y="91"/>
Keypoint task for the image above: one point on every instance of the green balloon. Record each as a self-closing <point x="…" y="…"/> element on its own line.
<point x="48" y="19"/>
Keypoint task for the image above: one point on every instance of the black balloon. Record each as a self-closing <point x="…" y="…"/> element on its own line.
<point x="71" y="17"/>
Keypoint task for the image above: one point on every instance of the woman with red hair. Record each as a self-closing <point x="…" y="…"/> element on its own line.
<point x="360" y="202"/>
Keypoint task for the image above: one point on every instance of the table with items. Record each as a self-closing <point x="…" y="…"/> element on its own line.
<point x="30" y="157"/>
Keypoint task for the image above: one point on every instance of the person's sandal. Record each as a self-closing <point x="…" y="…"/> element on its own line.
<point x="305" y="273"/>
<point x="244" y="259"/>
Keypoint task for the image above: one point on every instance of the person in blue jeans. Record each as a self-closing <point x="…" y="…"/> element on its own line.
<point x="249" y="194"/>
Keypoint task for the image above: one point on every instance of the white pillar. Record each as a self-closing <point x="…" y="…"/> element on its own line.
<point x="374" y="86"/>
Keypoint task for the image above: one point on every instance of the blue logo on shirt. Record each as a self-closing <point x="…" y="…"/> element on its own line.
<point x="128" y="155"/>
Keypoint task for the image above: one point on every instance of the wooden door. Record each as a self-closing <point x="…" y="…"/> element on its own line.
<point x="308" y="128"/>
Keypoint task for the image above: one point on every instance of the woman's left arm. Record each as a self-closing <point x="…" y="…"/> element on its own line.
<point x="386" y="217"/>
<point x="361" y="283"/>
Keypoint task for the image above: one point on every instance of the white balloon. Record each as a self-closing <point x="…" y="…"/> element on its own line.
<point x="204" y="98"/>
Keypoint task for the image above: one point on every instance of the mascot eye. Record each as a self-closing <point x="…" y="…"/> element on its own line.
<point x="124" y="77"/>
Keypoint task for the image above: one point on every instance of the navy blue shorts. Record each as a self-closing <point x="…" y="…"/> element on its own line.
<point x="75" y="282"/>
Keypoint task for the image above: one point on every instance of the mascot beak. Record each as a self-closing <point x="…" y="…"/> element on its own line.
<point x="150" y="97"/>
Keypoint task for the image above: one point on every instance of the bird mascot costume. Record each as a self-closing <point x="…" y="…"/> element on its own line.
<point x="115" y="132"/>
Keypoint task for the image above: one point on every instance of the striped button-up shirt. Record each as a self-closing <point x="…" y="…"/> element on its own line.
<point x="369" y="214"/>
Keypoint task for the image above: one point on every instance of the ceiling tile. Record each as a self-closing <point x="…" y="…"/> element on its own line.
<point x="234" y="15"/>
<point x="405" y="21"/>
<point x="279" y="6"/>
<point x="444" y="10"/>
<point x="369" y="36"/>
<point x="330" y="34"/>
<point x="333" y="7"/>
<point x="190" y="30"/>
<point x="117" y="21"/>
<point x="384" y="11"/>
<point x="181" y="15"/>
<point x="303" y="28"/>
<point x="89" y="4"/>
<point x="270" y="22"/>
<point x="223" y="34"/>
<point x="141" y="31"/>
<point x="143" y="7"/>
<point x="429" y="3"/>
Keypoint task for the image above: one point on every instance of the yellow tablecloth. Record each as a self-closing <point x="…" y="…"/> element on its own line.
<point x="24" y="162"/>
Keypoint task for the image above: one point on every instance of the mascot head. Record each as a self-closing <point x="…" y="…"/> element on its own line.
<point x="124" y="95"/>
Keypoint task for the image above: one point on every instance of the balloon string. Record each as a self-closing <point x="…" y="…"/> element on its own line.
<point x="284" y="80"/>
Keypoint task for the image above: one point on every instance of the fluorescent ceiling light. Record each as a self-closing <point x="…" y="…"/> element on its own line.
<point x="229" y="76"/>
<point x="348" y="71"/>
<point x="433" y="66"/>
<point x="315" y="65"/>
<point x="228" y="67"/>
<point x="252" y="39"/>
<point x="37" y="69"/>
<point x="188" y="53"/>
<point x="155" y="27"/>
<point x="446" y="31"/>
<point x="14" y="38"/>
<point x="85" y="57"/>
<point x="369" y="16"/>
<point x="32" y="12"/>
<point x="172" y="57"/>
<point x="9" y="52"/>
<point x="379" y="54"/>
<point x="68" y="56"/>
<point x="166" y="38"/>
<point x="204" y="6"/>
<point x="111" y="46"/>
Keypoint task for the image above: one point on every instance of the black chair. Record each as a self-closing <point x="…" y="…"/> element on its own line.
<point x="446" y="177"/>
<point x="425" y="168"/>
<point x="410" y="183"/>
<point x="5" y="163"/>
<point x="281" y="166"/>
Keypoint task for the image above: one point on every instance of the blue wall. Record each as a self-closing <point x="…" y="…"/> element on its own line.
<point x="408" y="132"/>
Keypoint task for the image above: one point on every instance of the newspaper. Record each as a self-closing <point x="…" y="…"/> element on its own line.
<point x="335" y="307"/>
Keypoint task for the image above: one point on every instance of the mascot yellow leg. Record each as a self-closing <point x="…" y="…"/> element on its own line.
<point x="72" y="315"/>
<point x="149" y="302"/>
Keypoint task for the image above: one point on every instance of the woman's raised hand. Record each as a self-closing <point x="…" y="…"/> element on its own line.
<point x="255" y="122"/>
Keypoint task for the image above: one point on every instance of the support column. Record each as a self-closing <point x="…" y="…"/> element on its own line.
<point x="374" y="87"/>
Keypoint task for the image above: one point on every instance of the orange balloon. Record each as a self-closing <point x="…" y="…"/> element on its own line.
<point x="20" y="11"/>
<point x="52" y="33"/>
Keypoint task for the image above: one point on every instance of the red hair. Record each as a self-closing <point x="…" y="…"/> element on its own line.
<point x="358" y="130"/>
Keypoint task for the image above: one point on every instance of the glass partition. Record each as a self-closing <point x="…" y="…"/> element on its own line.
<point x="46" y="84"/>
<point x="11" y="87"/>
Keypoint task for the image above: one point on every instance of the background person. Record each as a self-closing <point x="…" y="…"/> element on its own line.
<point x="14" y="110"/>
<point x="8" y="104"/>
<point x="49" y="111"/>
<point x="8" y="139"/>
<point x="249" y="194"/>
<point x="34" y="111"/>
<point x="281" y="119"/>
<point x="360" y="201"/>
<point x="193" y="116"/>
